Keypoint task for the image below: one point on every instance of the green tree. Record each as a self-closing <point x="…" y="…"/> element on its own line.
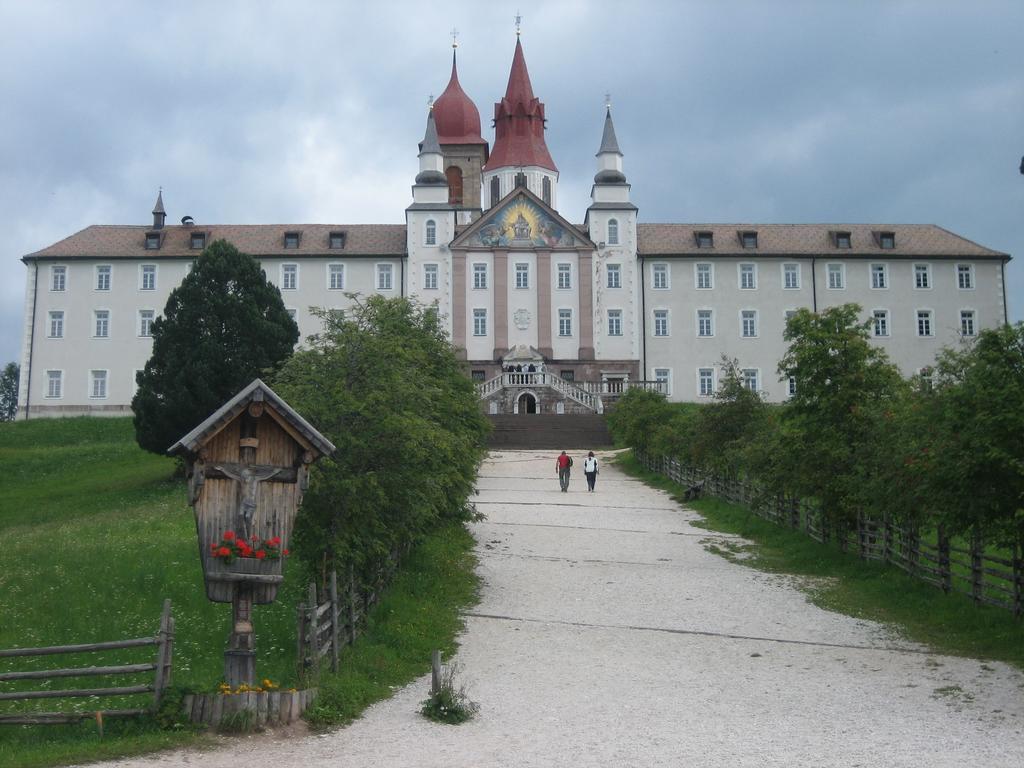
<point x="9" y="380"/>
<point x="383" y="384"/>
<point x="222" y="327"/>
<point x="973" y="456"/>
<point x="844" y="387"/>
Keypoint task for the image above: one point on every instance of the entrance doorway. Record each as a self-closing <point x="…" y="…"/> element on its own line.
<point x="527" y="403"/>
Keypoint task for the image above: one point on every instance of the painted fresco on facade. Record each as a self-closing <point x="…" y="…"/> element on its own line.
<point x="522" y="224"/>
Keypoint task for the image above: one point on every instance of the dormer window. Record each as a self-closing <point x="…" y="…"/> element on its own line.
<point x="291" y="240"/>
<point x="748" y="239"/>
<point x="705" y="240"/>
<point x="842" y="240"/>
<point x="152" y="241"/>
<point x="336" y="240"/>
<point x="887" y="240"/>
<point x="197" y="241"/>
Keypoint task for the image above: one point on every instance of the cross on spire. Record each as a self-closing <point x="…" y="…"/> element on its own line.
<point x="455" y="37"/>
<point x="607" y="101"/>
<point x="430" y="102"/>
<point x="519" y="23"/>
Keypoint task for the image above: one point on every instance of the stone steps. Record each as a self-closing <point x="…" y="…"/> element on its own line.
<point x="549" y="431"/>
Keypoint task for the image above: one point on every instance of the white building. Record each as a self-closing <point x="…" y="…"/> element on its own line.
<point x="587" y="306"/>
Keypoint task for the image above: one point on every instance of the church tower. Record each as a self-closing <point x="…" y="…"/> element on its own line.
<point x="464" y="149"/>
<point x="611" y="223"/>
<point x="519" y="156"/>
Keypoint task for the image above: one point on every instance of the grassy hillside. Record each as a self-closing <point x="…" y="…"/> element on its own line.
<point x="96" y="533"/>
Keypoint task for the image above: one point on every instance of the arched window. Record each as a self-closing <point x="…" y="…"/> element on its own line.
<point x="546" y="190"/>
<point x="495" y="190"/>
<point x="430" y="235"/>
<point x="454" y="175"/>
<point x="613" y="231"/>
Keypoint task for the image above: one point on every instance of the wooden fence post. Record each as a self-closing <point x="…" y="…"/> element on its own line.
<point x="977" y="574"/>
<point x="300" y="637"/>
<point x="1018" y="577"/>
<point x="887" y="538"/>
<point x="945" y="571"/>
<point x="313" y="640"/>
<point x="164" y="653"/>
<point x="351" y="603"/>
<point x="435" y="673"/>
<point x="334" y="620"/>
<point x="862" y="536"/>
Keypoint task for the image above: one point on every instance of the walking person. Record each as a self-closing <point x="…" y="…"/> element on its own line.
<point x="590" y="470"/>
<point x="562" y="466"/>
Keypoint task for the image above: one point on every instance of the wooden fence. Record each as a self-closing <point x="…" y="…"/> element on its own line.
<point x="951" y="566"/>
<point x="339" y="618"/>
<point x="160" y="667"/>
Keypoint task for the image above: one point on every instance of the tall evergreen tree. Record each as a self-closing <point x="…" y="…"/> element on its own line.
<point x="222" y="327"/>
<point x="9" y="380"/>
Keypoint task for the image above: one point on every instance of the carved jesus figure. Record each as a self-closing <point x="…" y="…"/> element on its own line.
<point x="249" y="478"/>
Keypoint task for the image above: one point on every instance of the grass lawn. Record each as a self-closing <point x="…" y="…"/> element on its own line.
<point x="950" y="624"/>
<point x="97" y="533"/>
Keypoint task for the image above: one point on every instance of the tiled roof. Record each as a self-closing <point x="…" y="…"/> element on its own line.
<point x="807" y="240"/>
<point x="113" y="242"/>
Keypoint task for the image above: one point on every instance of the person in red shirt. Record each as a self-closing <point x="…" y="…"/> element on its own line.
<point x="562" y="466"/>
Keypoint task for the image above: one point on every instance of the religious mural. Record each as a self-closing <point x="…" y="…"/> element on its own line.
<point x="522" y="224"/>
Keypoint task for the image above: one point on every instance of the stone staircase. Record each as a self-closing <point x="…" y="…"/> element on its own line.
<point x="583" y="431"/>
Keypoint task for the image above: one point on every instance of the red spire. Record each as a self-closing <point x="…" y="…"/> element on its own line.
<point x="456" y="116"/>
<point x="519" y="122"/>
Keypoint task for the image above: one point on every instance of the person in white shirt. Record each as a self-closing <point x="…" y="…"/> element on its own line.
<point x="590" y="470"/>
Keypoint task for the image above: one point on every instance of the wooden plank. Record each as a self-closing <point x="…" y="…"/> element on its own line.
<point x="313" y="639"/>
<point x="262" y="701"/>
<point x="46" y="674"/>
<point x="334" y="620"/>
<point x="162" y="665"/>
<point x="255" y="578"/>
<point x="216" y="704"/>
<point x="126" y="690"/>
<point x="57" y="718"/>
<point x="82" y="648"/>
<point x="323" y="610"/>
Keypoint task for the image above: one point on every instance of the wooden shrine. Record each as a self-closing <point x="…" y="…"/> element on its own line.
<point x="247" y="468"/>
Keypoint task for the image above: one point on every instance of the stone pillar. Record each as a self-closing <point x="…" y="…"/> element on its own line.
<point x="459" y="304"/>
<point x="586" y="283"/>
<point x="544" y="303"/>
<point x="500" y="304"/>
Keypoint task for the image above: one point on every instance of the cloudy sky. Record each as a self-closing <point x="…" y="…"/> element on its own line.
<point x="310" y="112"/>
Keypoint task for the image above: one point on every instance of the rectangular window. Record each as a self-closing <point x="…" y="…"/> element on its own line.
<point x="614" y="275"/>
<point x="843" y="240"/>
<point x="924" y="322"/>
<point x="197" y="241"/>
<point x="661" y="322"/>
<point x="748" y="319"/>
<point x="291" y="240"/>
<point x="750" y="379"/>
<point x="879" y="278"/>
<point x="292" y="313"/>
<point x="565" y="322"/>
<point x="705" y="276"/>
<point x="54" y="383"/>
<point x="289" y="277"/>
<point x="791" y="386"/>
<point x="336" y="277"/>
<point x="836" y="281"/>
<point x="565" y="275"/>
<point x="568" y="375"/>
<point x="663" y="376"/>
<point x="101" y="327"/>
<point x="965" y="276"/>
<point x="881" y="321"/>
<point x="706" y="381"/>
<point x="103" y="278"/>
<point x="479" y="322"/>
<point x="705" y="327"/>
<point x="336" y="240"/>
<point x="705" y="239"/>
<point x="791" y="276"/>
<point x="749" y="239"/>
<point x="967" y="322"/>
<point x="147" y="277"/>
<point x="748" y="277"/>
<point x="887" y="240"/>
<point x="57" y="325"/>
<point x="146" y="322"/>
<point x="479" y="275"/>
<point x="522" y="275"/>
<point x="58" y="278"/>
<point x="98" y="384"/>
<point x="614" y="322"/>
<point x="478" y="375"/>
<point x="922" y="276"/>
<point x="152" y="241"/>
<point x="430" y="277"/>
<point x="659" y="276"/>
<point x="383" y="277"/>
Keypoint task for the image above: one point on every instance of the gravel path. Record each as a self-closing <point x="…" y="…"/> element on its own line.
<point x="608" y="635"/>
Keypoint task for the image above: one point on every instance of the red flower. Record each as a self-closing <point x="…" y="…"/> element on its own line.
<point x="286" y="552"/>
<point x="229" y="535"/>
<point x="274" y="542"/>
<point x="223" y="552"/>
<point x="260" y="555"/>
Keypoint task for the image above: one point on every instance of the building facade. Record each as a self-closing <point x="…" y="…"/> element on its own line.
<point x="549" y="315"/>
